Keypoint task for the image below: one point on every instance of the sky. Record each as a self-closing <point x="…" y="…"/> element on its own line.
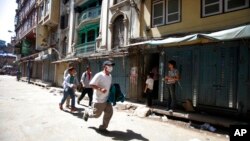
<point x="7" y="17"/>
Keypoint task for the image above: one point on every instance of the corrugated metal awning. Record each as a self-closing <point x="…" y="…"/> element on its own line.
<point x="108" y="54"/>
<point x="241" y="32"/>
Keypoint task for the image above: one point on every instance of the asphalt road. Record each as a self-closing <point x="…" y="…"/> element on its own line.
<point x="31" y="113"/>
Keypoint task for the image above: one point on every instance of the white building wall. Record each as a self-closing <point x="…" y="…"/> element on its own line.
<point x="104" y="25"/>
<point x="135" y="19"/>
<point x="131" y="13"/>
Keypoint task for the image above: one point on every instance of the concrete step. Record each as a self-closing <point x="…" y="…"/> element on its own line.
<point x="191" y="116"/>
<point x="205" y="118"/>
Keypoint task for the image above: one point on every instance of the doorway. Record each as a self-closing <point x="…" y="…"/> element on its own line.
<point x="151" y="65"/>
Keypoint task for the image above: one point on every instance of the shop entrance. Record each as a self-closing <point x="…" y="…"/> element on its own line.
<point x="151" y="64"/>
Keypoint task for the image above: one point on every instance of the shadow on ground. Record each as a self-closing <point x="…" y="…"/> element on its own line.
<point x="119" y="135"/>
<point x="78" y="113"/>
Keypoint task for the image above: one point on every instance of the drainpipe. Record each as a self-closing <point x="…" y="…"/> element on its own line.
<point x="161" y="76"/>
<point x="75" y="30"/>
<point x="42" y="70"/>
<point x="48" y="78"/>
<point x="29" y="72"/>
<point x="71" y="27"/>
<point x="107" y="29"/>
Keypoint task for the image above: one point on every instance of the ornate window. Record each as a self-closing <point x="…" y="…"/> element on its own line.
<point x="118" y="32"/>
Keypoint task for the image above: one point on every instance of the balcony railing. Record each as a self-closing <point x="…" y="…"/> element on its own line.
<point x="89" y="14"/>
<point x="28" y="7"/>
<point x="85" y="48"/>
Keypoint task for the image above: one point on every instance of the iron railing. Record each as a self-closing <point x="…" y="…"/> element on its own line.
<point x="89" y="14"/>
<point x="85" y="48"/>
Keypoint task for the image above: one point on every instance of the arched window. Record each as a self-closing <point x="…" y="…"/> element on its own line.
<point x="118" y="32"/>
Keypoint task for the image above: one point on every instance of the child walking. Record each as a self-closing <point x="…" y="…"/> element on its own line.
<point x="149" y="89"/>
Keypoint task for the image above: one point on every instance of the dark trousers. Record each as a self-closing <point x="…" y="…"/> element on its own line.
<point x="155" y="90"/>
<point x="70" y="92"/>
<point x="171" y="96"/>
<point x="149" y="94"/>
<point x="89" y="91"/>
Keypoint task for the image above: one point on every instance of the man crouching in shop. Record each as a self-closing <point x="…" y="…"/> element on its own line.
<point x="101" y="84"/>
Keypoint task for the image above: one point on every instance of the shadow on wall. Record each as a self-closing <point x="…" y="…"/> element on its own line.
<point x="119" y="135"/>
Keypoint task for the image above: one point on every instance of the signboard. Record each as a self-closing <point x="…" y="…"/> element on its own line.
<point x="26" y="47"/>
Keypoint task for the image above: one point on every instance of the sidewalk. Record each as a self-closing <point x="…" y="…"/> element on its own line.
<point x="36" y="82"/>
<point x="193" y="116"/>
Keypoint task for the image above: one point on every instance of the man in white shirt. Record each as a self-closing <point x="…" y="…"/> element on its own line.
<point x="101" y="84"/>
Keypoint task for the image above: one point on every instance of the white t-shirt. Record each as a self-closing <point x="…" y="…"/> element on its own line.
<point x="104" y="81"/>
<point x="150" y="83"/>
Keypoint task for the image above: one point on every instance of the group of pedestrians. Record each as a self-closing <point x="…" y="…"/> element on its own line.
<point x="171" y="79"/>
<point x="97" y="87"/>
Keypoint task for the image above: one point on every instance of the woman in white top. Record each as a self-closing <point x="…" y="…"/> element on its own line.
<point x="149" y="89"/>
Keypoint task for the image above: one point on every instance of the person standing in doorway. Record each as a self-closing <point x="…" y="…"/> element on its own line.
<point x="101" y="84"/>
<point x="69" y="86"/>
<point x="155" y="72"/>
<point x="85" y="79"/>
<point x="65" y="74"/>
<point x="171" y="79"/>
<point x="149" y="89"/>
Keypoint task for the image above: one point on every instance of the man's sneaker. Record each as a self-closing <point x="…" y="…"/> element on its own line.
<point x="73" y="109"/>
<point x="103" y="130"/>
<point x="86" y="116"/>
<point x="60" y="106"/>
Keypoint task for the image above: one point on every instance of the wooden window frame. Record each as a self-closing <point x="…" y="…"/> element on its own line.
<point x="167" y="14"/>
<point x="163" y="12"/>
<point x="234" y="9"/>
<point x="203" y="6"/>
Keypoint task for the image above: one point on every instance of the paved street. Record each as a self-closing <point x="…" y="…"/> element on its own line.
<point x="31" y="113"/>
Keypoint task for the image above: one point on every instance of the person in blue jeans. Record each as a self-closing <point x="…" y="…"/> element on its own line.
<point x="69" y="86"/>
